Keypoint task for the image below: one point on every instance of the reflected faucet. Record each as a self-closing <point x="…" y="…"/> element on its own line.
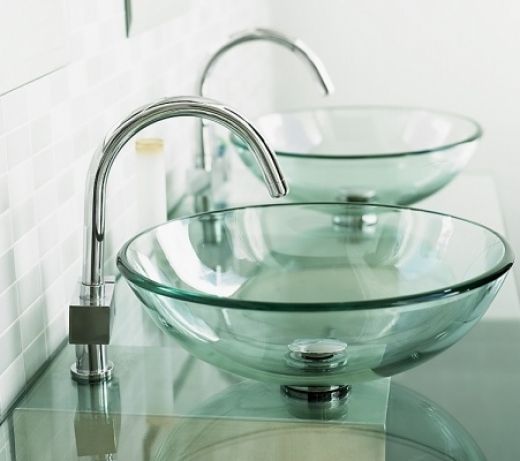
<point x="90" y="317"/>
<point x="204" y="159"/>
<point x="97" y="422"/>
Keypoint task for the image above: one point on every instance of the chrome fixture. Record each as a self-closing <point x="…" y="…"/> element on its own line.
<point x="204" y="159"/>
<point x="317" y="354"/>
<point x="90" y="317"/>
<point x="317" y="402"/>
<point x="317" y="394"/>
<point x="351" y="218"/>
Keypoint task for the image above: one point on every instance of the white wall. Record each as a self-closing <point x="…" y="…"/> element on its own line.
<point x="48" y="132"/>
<point x="462" y="56"/>
<point x="39" y="30"/>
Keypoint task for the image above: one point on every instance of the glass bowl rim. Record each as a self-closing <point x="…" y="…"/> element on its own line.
<point x="500" y="268"/>
<point x="476" y="133"/>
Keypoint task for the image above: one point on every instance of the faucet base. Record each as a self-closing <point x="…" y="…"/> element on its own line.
<point x="90" y="377"/>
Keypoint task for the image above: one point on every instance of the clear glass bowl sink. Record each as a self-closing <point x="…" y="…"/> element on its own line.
<point x="277" y="293"/>
<point x="379" y="154"/>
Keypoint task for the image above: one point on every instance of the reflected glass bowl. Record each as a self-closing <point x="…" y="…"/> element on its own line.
<point x="277" y="294"/>
<point x="416" y="429"/>
<point x="379" y="154"/>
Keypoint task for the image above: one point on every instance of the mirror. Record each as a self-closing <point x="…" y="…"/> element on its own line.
<point x="142" y="14"/>
<point x="33" y="40"/>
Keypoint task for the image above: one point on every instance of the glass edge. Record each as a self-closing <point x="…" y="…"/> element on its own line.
<point x="501" y="268"/>
<point x="476" y="135"/>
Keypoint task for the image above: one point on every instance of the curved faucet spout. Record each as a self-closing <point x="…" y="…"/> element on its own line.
<point x="295" y="45"/>
<point x="101" y="164"/>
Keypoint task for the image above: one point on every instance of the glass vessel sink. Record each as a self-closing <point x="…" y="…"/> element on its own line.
<point x="377" y="154"/>
<point x="277" y="294"/>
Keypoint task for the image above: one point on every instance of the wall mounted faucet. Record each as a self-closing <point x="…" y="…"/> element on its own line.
<point x="204" y="159"/>
<point x="90" y="317"/>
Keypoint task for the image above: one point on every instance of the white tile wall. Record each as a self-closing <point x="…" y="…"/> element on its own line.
<point x="49" y="130"/>
<point x="5" y="446"/>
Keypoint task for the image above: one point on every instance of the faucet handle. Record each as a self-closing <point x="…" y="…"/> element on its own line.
<point x="92" y="323"/>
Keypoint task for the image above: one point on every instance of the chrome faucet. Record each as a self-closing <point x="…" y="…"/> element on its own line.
<point x="90" y="317"/>
<point x="204" y="159"/>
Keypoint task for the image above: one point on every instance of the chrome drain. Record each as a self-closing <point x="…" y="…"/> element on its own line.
<point x="355" y="217"/>
<point x="317" y="354"/>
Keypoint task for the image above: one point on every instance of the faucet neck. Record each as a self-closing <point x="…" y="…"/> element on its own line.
<point x="261" y="34"/>
<point x="95" y="198"/>
<point x="204" y="159"/>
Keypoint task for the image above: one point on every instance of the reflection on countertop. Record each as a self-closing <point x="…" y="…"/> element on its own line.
<point x="161" y="397"/>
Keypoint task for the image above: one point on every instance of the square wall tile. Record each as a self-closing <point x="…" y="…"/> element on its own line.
<point x="46" y="201"/>
<point x="12" y="381"/>
<point x="43" y="168"/>
<point x="3" y="154"/>
<point x="18" y="145"/>
<point x="41" y="133"/>
<point x="22" y="218"/>
<point x="7" y="270"/>
<point x="29" y="288"/>
<point x="21" y="184"/>
<point x="32" y="322"/>
<point x="49" y="233"/>
<point x="9" y="308"/>
<point x="6" y="232"/>
<point x="4" y="193"/>
<point x="10" y="345"/>
<point x="34" y="356"/>
<point x="56" y="332"/>
<point x="39" y="97"/>
<point x="26" y="253"/>
<point x="50" y="266"/>
<point x="14" y="109"/>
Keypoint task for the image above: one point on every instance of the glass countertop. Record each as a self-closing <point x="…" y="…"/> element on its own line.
<point x="165" y="404"/>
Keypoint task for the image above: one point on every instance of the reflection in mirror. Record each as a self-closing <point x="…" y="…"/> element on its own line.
<point x="142" y="14"/>
<point x="33" y="40"/>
